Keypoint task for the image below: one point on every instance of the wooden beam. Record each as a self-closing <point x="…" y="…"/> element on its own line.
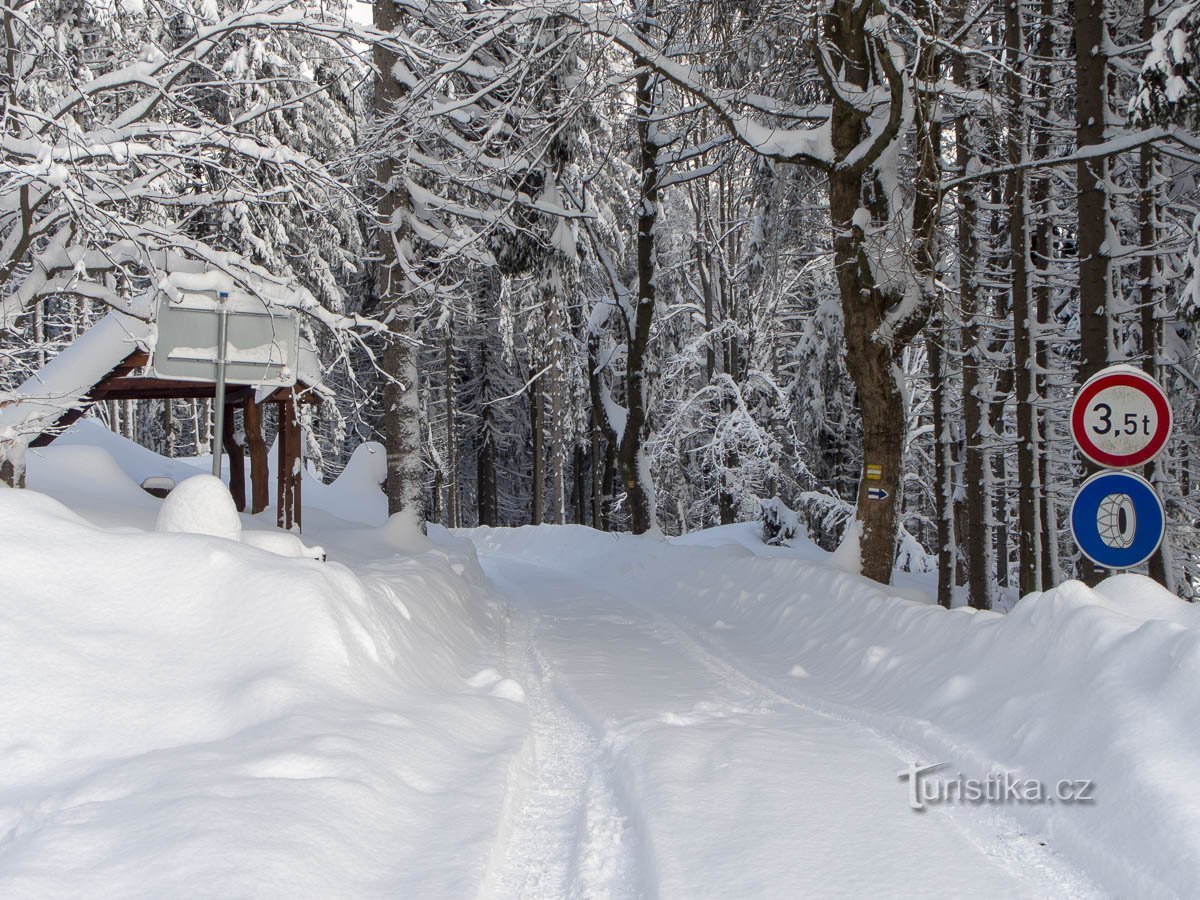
<point x="259" y="470"/>
<point x="289" y="476"/>
<point x="296" y="445"/>
<point x="141" y="387"/>
<point x="237" y="461"/>
<point x="283" y="509"/>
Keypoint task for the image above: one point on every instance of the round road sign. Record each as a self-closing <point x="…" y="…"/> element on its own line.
<point x="1121" y="418"/>
<point x="1117" y="520"/>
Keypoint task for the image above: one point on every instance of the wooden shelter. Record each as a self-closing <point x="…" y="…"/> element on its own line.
<point x="128" y="381"/>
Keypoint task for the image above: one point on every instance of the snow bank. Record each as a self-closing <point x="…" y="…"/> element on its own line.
<point x="1072" y="684"/>
<point x="184" y="713"/>
<point x="1079" y="684"/>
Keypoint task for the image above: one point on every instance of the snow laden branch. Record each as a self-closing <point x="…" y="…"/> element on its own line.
<point x="182" y="148"/>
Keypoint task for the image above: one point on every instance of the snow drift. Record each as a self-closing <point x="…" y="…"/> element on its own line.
<point x="1073" y="684"/>
<point x="184" y="713"/>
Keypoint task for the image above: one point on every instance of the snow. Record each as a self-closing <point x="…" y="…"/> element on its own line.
<point x="1073" y="684"/>
<point x="550" y="711"/>
<point x="64" y="380"/>
<point x="200" y="505"/>
<point x="184" y="710"/>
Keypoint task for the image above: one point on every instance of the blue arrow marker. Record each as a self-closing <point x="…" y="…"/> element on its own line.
<point x="876" y="494"/>
<point x="1117" y="519"/>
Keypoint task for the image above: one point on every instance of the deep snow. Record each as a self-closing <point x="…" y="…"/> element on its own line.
<point x="581" y="715"/>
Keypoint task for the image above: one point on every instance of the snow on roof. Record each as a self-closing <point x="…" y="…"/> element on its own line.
<point x="65" y="380"/>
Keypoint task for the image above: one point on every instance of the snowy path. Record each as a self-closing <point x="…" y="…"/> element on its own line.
<point x="660" y="766"/>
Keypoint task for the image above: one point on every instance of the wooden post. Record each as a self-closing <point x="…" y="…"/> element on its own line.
<point x="283" y="517"/>
<point x="289" y="473"/>
<point x="237" y="459"/>
<point x="259" y="470"/>
<point x="296" y="448"/>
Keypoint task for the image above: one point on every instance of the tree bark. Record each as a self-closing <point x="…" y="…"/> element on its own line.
<point x="1042" y="251"/>
<point x="943" y="464"/>
<point x="401" y="402"/>
<point x="537" y="431"/>
<point x="878" y="324"/>
<point x="1160" y="568"/>
<point x="638" y="493"/>
<point x="1091" y="74"/>
<point x="976" y="476"/>
<point x="452" y="494"/>
<point x="1029" y="540"/>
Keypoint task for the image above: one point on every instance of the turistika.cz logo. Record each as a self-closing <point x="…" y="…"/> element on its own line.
<point x="997" y="788"/>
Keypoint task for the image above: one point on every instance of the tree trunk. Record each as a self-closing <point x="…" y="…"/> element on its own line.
<point x="999" y="488"/>
<point x="598" y="469"/>
<point x="943" y="464"/>
<point x="580" y="491"/>
<point x="630" y="457"/>
<point x="976" y="477"/>
<point x="1029" y="541"/>
<point x="168" y="428"/>
<point x="452" y="494"/>
<point x="1042" y="259"/>
<point x="878" y="324"/>
<point x="1150" y="297"/>
<point x="537" y="435"/>
<point x="1091" y="73"/>
<point x="401" y="402"/>
<point x="555" y="427"/>
<point x="485" y="453"/>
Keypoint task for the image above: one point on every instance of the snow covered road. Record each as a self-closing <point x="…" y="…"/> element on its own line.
<point x="586" y="715"/>
<point x="660" y="766"/>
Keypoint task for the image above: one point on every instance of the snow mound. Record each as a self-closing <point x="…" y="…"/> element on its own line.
<point x="91" y="477"/>
<point x="281" y="543"/>
<point x="366" y="470"/>
<point x="1074" y="684"/>
<point x="200" y="505"/>
<point x="181" y="710"/>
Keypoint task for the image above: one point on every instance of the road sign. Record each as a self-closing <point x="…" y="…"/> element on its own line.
<point x="1117" y="520"/>
<point x="261" y="346"/>
<point x="876" y="494"/>
<point x="1121" y="418"/>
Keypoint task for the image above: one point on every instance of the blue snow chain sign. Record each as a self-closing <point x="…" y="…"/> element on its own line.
<point x="1117" y="520"/>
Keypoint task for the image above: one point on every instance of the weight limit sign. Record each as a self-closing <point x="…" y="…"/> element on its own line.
<point x="1117" y="520"/>
<point x="1121" y="418"/>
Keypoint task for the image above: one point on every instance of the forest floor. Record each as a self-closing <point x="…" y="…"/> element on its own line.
<point x="556" y="712"/>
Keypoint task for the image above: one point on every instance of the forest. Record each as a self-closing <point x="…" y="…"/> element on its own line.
<point x="645" y="265"/>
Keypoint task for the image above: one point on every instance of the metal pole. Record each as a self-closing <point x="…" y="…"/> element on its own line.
<point x="219" y="397"/>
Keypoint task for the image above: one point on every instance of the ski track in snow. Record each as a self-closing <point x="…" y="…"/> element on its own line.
<point x="992" y="833"/>
<point x="565" y="834"/>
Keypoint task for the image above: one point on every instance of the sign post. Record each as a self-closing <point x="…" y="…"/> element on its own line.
<point x="219" y="412"/>
<point x="1120" y="419"/>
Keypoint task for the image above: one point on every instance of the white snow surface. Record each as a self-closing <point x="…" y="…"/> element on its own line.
<point x="554" y="712"/>
<point x="187" y="715"/>
<point x="64" y="380"/>
<point x="200" y="505"/>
